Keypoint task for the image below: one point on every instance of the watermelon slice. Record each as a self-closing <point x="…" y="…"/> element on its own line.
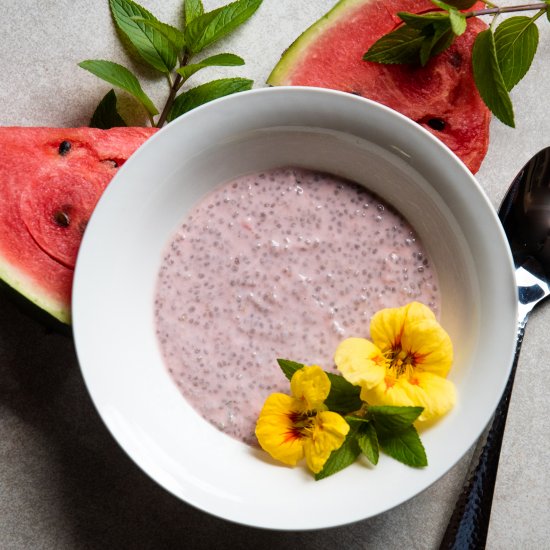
<point x="50" y="181"/>
<point x="441" y="96"/>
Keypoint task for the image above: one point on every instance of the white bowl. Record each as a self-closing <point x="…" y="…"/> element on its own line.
<point x="120" y="257"/>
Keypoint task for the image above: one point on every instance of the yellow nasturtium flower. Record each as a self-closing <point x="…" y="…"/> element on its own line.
<point x="293" y="426"/>
<point x="406" y="363"/>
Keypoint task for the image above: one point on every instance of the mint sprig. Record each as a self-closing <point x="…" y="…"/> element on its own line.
<point x="171" y="52"/>
<point x="501" y="56"/>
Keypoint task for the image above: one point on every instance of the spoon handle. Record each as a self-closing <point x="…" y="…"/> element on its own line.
<point x="469" y="522"/>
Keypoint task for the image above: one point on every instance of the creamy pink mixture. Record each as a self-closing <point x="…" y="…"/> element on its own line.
<point x="279" y="264"/>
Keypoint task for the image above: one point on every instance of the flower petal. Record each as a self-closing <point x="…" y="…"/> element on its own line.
<point x="391" y="391"/>
<point x="275" y="429"/>
<point x="329" y="432"/>
<point x="360" y="362"/>
<point x="416" y="311"/>
<point x="310" y="385"/>
<point x="430" y="346"/>
<point x="387" y="325"/>
<point x="436" y="394"/>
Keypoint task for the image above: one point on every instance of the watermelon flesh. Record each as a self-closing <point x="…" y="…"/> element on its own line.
<point x="50" y="182"/>
<point x="442" y="96"/>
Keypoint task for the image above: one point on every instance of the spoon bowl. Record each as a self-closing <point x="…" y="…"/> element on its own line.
<point x="525" y="212"/>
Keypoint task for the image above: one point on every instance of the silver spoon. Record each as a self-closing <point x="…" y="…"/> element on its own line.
<point x="525" y="216"/>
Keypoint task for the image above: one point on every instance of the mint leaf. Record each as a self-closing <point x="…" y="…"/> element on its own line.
<point x="207" y="92"/>
<point x="151" y="44"/>
<point x="210" y="27"/>
<point x="488" y="78"/>
<point x="367" y="440"/>
<point x="420" y="21"/>
<point x="344" y="396"/>
<point x="191" y="10"/>
<point x="106" y="114"/>
<point x="289" y="367"/>
<point x="342" y="457"/>
<point x="119" y="76"/>
<point x="175" y="36"/>
<point x="399" y="46"/>
<point x="516" y="41"/>
<point x="390" y="419"/>
<point x="405" y="447"/>
<point x="458" y="22"/>
<point x="441" y="39"/>
<point x="444" y="41"/>
<point x="219" y="60"/>
<point x="436" y="27"/>
<point x="222" y="60"/>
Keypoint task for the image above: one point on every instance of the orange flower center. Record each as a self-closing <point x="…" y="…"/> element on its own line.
<point x="302" y="424"/>
<point x="400" y="362"/>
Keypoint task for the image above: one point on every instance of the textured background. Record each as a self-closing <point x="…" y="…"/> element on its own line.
<point x="64" y="482"/>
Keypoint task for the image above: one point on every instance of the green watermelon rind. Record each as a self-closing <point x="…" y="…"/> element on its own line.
<point x="22" y="284"/>
<point x="279" y="75"/>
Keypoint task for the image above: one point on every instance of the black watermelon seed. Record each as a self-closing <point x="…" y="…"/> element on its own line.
<point x="64" y="147"/>
<point x="61" y="218"/>
<point x="456" y="60"/>
<point x="436" y="124"/>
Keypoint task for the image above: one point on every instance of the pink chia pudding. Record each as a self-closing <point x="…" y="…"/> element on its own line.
<point x="284" y="263"/>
